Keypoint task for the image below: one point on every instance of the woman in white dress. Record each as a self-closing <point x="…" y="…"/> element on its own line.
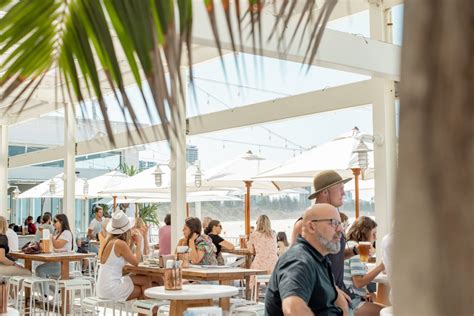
<point x="111" y="284"/>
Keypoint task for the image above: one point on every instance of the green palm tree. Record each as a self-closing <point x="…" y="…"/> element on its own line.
<point x="76" y="38"/>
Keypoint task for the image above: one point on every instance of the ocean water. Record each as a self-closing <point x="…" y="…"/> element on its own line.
<point x="236" y="228"/>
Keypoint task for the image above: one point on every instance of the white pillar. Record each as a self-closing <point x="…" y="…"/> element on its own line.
<point x="3" y="170"/>
<point x="70" y="166"/>
<point x="384" y="125"/>
<point x="178" y="170"/>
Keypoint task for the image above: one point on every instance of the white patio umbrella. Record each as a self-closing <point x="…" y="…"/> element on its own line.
<point x="333" y="155"/>
<point x="240" y="173"/>
<point x="47" y="188"/>
<point x="348" y="154"/>
<point x="146" y="182"/>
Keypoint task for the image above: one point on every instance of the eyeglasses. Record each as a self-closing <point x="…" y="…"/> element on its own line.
<point x="334" y="222"/>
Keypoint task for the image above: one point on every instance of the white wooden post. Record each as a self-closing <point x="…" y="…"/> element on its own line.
<point x="3" y="170"/>
<point x="383" y="111"/>
<point x="70" y="166"/>
<point x="178" y="170"/>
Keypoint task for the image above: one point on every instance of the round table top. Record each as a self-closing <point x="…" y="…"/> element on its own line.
<point x="11" y="312"/>
<point x="192" y="292"/>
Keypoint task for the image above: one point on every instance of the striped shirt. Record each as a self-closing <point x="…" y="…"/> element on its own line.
<point x="353" y="267"/>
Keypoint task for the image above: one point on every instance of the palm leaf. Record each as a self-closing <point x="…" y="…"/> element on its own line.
<point x="86" y="39"/>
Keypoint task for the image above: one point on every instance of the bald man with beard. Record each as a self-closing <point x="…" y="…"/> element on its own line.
<point x="302" y="282"/>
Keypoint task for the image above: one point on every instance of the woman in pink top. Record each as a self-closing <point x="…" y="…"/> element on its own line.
<point x="262" y="243"/>
<point x="165" y="237"/>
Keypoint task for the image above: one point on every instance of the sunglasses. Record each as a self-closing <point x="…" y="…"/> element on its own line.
<point x="55" y="221"/>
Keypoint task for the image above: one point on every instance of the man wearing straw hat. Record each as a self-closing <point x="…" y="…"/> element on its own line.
<point x="329" y="188"/>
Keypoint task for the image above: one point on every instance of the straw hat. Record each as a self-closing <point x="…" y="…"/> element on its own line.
<point x="119" y="223"/>
<point x="326" y="179"/>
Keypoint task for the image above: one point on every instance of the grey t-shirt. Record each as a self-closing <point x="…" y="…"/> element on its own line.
<point x="96" y="226"/>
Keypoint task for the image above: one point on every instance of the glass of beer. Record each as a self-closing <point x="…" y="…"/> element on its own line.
<point x="364" y="251"/>
<point x="243" y="241"/>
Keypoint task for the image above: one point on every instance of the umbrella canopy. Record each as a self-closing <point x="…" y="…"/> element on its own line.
<point x="143" y="184"/>
<point x="43" y="189"/>
<point x="334" y="155"/>
<point x="241" y="172"/>
<point x="96" y="185"/>
<point x="234" y="173"/>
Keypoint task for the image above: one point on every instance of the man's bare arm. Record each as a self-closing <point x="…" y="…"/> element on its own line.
<point x="297" y="229"/>
<point x="294" y="305"/>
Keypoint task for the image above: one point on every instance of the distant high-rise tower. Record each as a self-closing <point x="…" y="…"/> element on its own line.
<point x="192" y="154"/>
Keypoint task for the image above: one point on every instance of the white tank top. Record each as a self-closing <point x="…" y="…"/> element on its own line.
<point x="111" y="270"/>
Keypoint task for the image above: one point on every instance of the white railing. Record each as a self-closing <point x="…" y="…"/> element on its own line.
<point x="233" y="240"/>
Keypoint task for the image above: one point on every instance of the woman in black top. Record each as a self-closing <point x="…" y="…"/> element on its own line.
<point x="213" y="230"/>
<point x="8" y="267"/>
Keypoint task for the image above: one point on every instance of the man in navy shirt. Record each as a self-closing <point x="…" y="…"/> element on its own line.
<point x="302" y="282"/>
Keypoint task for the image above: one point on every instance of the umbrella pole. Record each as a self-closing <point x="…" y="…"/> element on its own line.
<point x="187" y="209"/>
<point x="356" y="173"/>
<point x="248" y="184"/>
<point x="115" y="203"/>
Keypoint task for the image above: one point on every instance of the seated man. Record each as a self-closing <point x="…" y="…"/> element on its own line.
<point x="302" y="282"/>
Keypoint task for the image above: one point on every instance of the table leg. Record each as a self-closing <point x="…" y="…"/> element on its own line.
<point x="247" y="288"/>
<point x="29" y="266"/>
<point x="224" y="302"/>
<point x="178" y="307"/>
<point x="248" y="261"/>
<point x="64" y="276"/>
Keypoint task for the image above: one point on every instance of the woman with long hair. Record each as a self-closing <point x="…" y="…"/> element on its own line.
<point x="103" y="236"/>
<point x="356" y="274"/>
<point x="8" y="267"/>
<point x="142" y="228"/>
<point x="282" y="243"/>
<point x="263" y="244"/>
<point x="213" y="230"/>
<point x="111" y="284"/>
<point x="62" y="241"/>
<point x="201" y="249"/>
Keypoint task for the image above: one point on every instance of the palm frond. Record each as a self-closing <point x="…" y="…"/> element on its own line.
<point x="92" y="42"/>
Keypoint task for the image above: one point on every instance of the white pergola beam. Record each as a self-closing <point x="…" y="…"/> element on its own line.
<point x="338" y="50"/>
<point x="330" y="99"/>
<point x="349" y="7"/>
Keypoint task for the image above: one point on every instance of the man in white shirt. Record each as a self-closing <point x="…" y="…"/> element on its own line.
<point x="95" y="227"/>
<point x="12" y="239"/>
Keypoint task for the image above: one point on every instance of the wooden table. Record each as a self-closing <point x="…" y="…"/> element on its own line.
<point x="192" y="295"/>
<point x="242" y="252"/>
<point x="225" y="276"/>
<point x="383" y="287"/>
<point x="64" y="258"/>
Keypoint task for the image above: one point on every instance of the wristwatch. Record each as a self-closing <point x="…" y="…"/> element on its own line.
<point x="354" y="250"/>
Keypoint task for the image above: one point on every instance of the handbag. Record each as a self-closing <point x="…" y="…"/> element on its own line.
<point x="32" y="248"/>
